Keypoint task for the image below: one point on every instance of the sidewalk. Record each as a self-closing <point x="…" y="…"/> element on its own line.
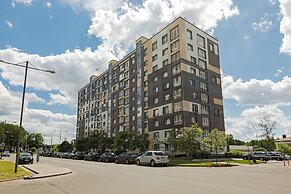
<point x="45" y="171"/>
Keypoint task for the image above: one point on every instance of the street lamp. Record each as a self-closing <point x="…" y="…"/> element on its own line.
<point x="22" y="104"/>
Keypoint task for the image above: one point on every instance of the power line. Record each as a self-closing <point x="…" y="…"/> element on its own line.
<point x="34" y="68"/>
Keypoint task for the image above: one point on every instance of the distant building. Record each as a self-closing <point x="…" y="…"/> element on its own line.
<point x="241" y="148"/>
<point x="284" y="139"/>
<point x="170" y="80"/>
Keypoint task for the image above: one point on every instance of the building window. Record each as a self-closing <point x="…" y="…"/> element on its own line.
<point x="205" y="133"/>
<point x="203" y="86"/>
<point x="156" y="78"/>
<point x="167" y="97"/>
<point x="156" y="89"/>
<point x="145" y="83"/>
<point x="166" y="110"/>
<point x="156" y="112"/>
<point x="155" y="57"/>
<point x="200" y="41"/>
<point x="176" y="69"/>
<point x="146" y="104"/>
<point x="145" y="64"/>
<point x="167" y="121"/>
<point x="165" y="52"/>
<point x="189" y="34"/>
<point x="178" y="119"/>
<point x="156" y="135"/>
<point x="165" y="62"/>
<point x="202" y="63"/>
<point x="193" y="70"/>
<point x="166" y="86"/>
<point x="215" y="49"/>
<point x="195" y="108"/>
<point x="165" y="39"/>
<point x="193" y="60"/>
<point x="177" y="93"/>
<point x="154" y="46"/>
<point x="194" y="120"/>
<point x="155" y="68"/>
<point x="202" y="75"/>
<point x="191" y="82"/>
<point x="132" y="98"/>
<point x="145" y="51"/>
<point x="177" y="81"/>
<point x="177" y="106"/>
<point x="195" y="95"/>
<point x="174" y="33"/>
<point x="132" y="80"/>
<point x="175" y="46"/>
<point x="175" y="56"/>
<point x="190" y="47"/>
<point x="146" y="93"/>
<point x="157" y="123"/>
<point x="216" y="112"/>
<point x="133" y="118"/>
<point x="204" y="98"/>
<point x="133" y="108"/>
<point x="165" y="74"/>
<point x="205" y="121"/>
<point x="156" y="100"/>
<point x="201" y="53"/>
<point x="205" y="109"/>
<point x="132" y="128"/>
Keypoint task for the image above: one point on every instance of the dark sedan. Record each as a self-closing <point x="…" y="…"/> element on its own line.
<point x="25" y="158"/>
<point x="107" y="157"/>
<point x="92" y="156"/>
<point x="79" y="155"/>
<point x="126" y="157"/>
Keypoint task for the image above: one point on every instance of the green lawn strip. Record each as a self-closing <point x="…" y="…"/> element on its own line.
<point x="7" y="171"/>
<point x="213" y="163"/>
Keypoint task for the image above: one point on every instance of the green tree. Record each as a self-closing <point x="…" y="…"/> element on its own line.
<point x="173" y="140"/>
<point x="10" y="134"/>
<point x="189" y="141"/>
<point x="231" y="141"/>
<point x="82" y="144"/>
<point x="142" y="142"/>
<point x="217" y="140"/>
<point x="34" y="140"/>
<point x="123" y="141"/>
<point x="267" y="127"/>
<point x="65" y="146"/>
<point x="284" y="148"/>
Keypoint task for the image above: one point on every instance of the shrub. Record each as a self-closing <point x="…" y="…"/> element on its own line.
<point x="33" y="150"/>
<point x="260" y="149"/>
<point x="234" y="154"/>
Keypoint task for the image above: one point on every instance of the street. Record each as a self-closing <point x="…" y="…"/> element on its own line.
<point x="96" y="177"/>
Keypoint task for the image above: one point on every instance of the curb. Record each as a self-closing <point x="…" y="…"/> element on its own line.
<point x="30" y="169"/>
<point x="46" y="176"/>
<point x="6" y="180"/>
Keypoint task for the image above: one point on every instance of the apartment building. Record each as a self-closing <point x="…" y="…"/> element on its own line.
<point x="170" y="80"/>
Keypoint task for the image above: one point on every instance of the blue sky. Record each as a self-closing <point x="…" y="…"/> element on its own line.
<point x="76" y="37"/>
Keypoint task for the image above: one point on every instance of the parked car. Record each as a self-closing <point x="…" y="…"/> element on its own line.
<point x="79" y="155"/>
<point x="92" y="156"/>
<point x="6" y="154"/>
<point x="126" y="157"/>
<point x="276" y="156"/>
<point x="153" y="158"/>
<point x="25" y="157"/>
<point x="263" y="156"/>
<point x="107" y="157"/>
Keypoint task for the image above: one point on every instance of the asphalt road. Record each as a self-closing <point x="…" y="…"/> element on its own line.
<point x="103" y="178"/>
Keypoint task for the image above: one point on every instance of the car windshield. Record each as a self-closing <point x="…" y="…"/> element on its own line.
<point x="160" y="154"/>
<point x="25" y="154"/>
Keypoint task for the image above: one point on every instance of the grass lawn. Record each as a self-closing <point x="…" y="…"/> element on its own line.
<point x="204" y="163"/>
<point x="7" y="171"/>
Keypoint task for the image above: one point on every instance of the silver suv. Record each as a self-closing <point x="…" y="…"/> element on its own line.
<point x="153" y="158"/>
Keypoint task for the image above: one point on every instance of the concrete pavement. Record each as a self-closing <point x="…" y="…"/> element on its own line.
<point x="45" y="171"/>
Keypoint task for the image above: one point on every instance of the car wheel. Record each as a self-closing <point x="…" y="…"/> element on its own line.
<point x="126" y="161"/>
<point x="262" y="159"/>
<point x="116" y="161"/>
<point x="152" y="163"/>
<point x="138" y="162"/>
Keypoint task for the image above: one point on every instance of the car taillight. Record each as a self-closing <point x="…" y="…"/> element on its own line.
<point x="157" y="158"/>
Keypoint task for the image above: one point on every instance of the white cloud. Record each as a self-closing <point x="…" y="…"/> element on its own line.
<point x="273" y="2"/>
<point x="263" y="25"/>
<point x="257" y="92"/>
<point x="48" y="4"/>
<point x="9" y="24"/>
<point x="285" y="26"/>
<point x="25" y="2"/>
<point x="246" y="126"/>
<point x="279" y="71"/>
<point x="60" y="99"/>
<point x="41" y="121"/>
